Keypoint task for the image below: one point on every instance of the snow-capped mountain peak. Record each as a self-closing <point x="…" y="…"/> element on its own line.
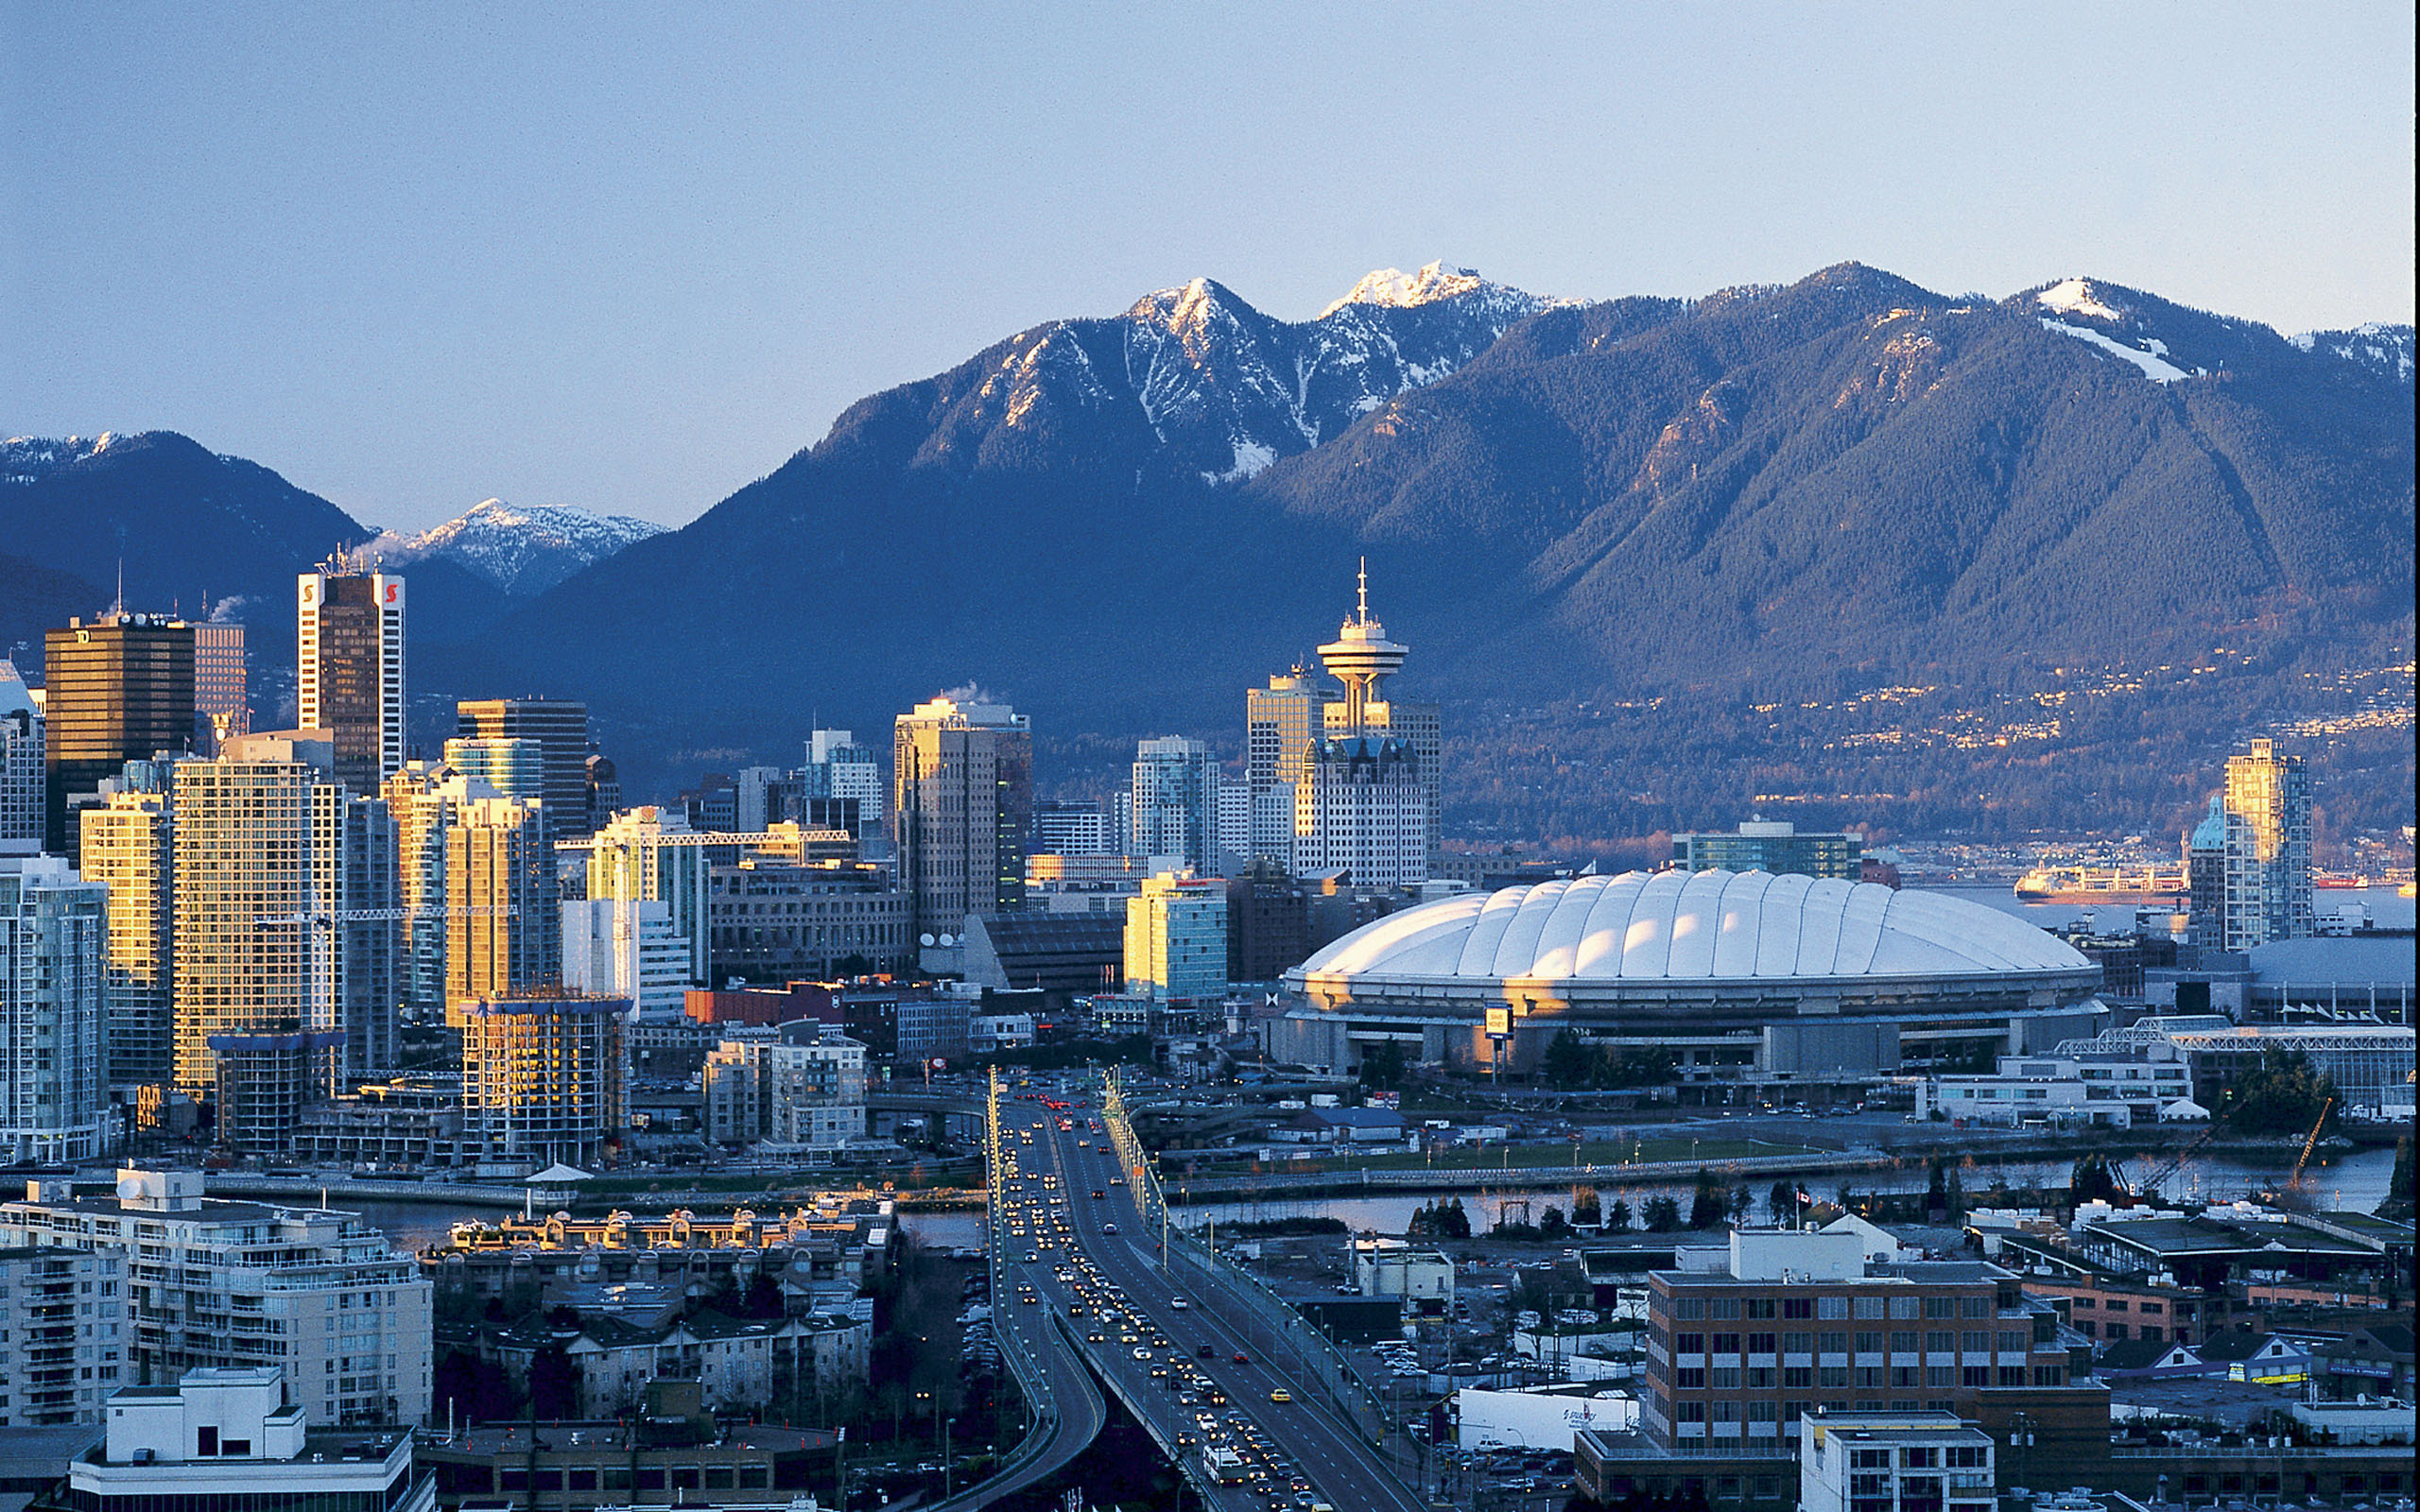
<point x="2079" y="296"/>
<point x="2385" y="350"/>
<point x="29" y="458"/>
<point x="522" y="549"/>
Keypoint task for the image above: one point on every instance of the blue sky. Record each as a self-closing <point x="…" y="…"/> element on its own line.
<point x="631" y="257"/>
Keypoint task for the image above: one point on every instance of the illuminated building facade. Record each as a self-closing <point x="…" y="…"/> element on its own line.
<point x="53" y="1010"/>
<point x="349" y="671"/>
<point x="2269" y="862"/>
<point x="559" y="727"/>
<point x="117" y="690"/>
<point x="961" y="804"/>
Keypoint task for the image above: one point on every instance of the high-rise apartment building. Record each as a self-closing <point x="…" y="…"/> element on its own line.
<point x="318" y="1296"/>
<point x="545" y="1076"/>
<point x="423" y="799"/>
<point x="2269" y="860"/>
<point x="128" y="848"/>
<point x="647" y="855"/>
<point x="801" y="1084"/>
<point x="1176" y="939"/>
<point x="961" y="804"/>
<point x="1172" y="803"/>
<point x="53" y="1011"/>
<point x="602" y="792"/>
<point x="222" y="700"/>
<point x="627" y="948"/>
<point x="559" y="728"/>
<point x="503" y="908"/>
<point x="284" y="970"/>
<point x="2205" y="876"/>
<point x="349" y="670"/>
<point x="60" y="1365"/>
<point x="23" y="776"/>
<point x="117" y="690"/>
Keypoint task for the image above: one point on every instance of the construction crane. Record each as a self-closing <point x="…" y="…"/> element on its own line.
<point x="2311" y="1143"/>
<point x="2149" y="1187"/>
<point x="317" y="922"/>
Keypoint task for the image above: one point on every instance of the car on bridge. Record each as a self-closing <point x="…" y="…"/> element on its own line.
<point x="1280" y="1395"/>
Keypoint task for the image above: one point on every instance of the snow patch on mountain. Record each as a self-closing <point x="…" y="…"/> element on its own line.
<point x="523" y="550"/>
<point x="2386" y="350"/>
<point x="2075" y="296"/>
<point x="31" y="458"/>
<point x="2157" y="370"/>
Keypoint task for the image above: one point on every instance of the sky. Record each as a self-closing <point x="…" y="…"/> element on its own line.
<point x="631" y="257"/>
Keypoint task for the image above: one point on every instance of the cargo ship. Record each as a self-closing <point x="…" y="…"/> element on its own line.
<point x="2147" y="885"/>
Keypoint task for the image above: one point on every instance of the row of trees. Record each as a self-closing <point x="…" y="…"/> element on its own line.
<point x="1572" y="1064"/>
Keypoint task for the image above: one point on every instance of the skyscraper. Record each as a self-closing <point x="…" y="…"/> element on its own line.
<point x="222" y="706"/>
<point x="647" y="855"/>
<point x="1361" y="658"/>
<point x="516" y="766"/>
<point x="128" y="848"/>
<point x="1172" y="803"/>
<point x="53" y="1008"/>
<point x="281" y="986"/>
<point x="561" y="729"/>
<point x="504" y="918"/>
<point x="22" y="777"/>
<point x="2269" y="862"/>
<point x="838" y="767"/>
<point x="1280" y="723"/>
<point x="349" y="669"/>
<point x="2205" y="876"/>
<point x="1176" y="939"/>
<point x="119" y="689"/>
<point x="1360" y="808"/>
<point x="961" y="804"/>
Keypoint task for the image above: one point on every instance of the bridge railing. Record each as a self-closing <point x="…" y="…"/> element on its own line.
<point x="1188" y="1260"/>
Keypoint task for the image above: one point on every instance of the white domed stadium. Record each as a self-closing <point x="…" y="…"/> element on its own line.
<point x="1738" y="976"/>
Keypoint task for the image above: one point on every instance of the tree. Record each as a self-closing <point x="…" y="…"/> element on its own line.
<point x="1552" y="1225"/>
<point x="1618" y="1216"/>
<point x="1569" y="1062"/>
<point x="1662" y="1215"/>
<point x="2398" y="1204"/>
<point x="1586" y="1208"/>
<point x="2094" y="1180"/>
<point x="1709" y="1205"/>
<point x="2283" y="1095"/>
<point x="1742" y="1203"/>
<point x="1782" y="1201"/>
<point x="554" y="1384"/>
<point x="1382" y="1065"/>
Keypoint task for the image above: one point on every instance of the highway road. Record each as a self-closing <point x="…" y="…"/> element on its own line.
<point x="1195" y="1367"/>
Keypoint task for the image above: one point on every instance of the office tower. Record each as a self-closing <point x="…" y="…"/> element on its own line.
<point x="23" y="779"/>
<point x="53" y="1011"/>
<point x="712" y="807"/>
<point x="962" y="803"/>
<point x="222" y="706"/>
<point x="2269" y="865"/>
<point x="1176" y="939"/>
<point x="1269" y="923"/>
<point x="1233" y="824"/>
<point x="128" y="848"/>
<point x="545" y="1076"/>
<point x="1172" y="803"/>
<point x="627" y="948"/>
<point x="1280" y="723"/>
<point x="1771" y="845"/>
<point x="838" y="767"/>
<point x="503" y="916"/>
<point x="602" y="792"/>
<point x="320" y="1295"/>
<point x="1063" y="827"/>
<point x="649" y="856"/>
<point x="1360" y="808"/>
<point x="559" y="728"/>
<point x="284" y="971"/>
<point x="423" y="799"/>
<point x="780" y="920"/>
<point x="117" y="690"/>
<point x="60" y="1367"/>
<point x="514" y="765"/>
<point x="349" y="670"/>
<point x="2205" y="876"/>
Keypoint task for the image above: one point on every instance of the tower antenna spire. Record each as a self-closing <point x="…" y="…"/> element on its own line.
<point x="1364" y="610"/>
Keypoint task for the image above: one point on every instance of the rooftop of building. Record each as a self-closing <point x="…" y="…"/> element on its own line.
<point x="1696" y="926"/>
<point x="2352" y="961"/>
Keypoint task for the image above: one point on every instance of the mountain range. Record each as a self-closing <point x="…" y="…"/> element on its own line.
<point x="1765" y="497"/>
